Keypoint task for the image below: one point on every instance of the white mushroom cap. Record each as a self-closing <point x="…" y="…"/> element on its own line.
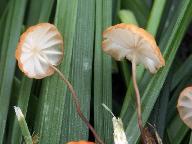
<point x="135" y="44"/>
<point x="184" y="106"/>
<point x="40" y="46"/>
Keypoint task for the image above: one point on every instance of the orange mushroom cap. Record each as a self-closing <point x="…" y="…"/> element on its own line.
<point x="80" y="142"/>
<point x="38" y="47"/>
<point x="135" y="44"/>
<point x="184" y="106"/>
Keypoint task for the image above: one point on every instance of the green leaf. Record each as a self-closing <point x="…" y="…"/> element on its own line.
<point x="26" y="83"/>
<point x="190" y="142"/>
<point x="155" y="16"/>
<point x="171" y="43"/>
<point x="48" y="123"/>
<point x="23" y="125"/>
<point x="139" y="8"/>
<point x="24" y="93"/>
<point x="73" y="128"/>
<point x="3" y="7"/>
<point x="102" y="73"/>
<point x="127" y="16"/>
<point x="3" y="22"/>
<point x="173" y="101"/>
<point x="7" y="61"/>
<point x="159" y="113"/>
<point x="177" y="130"/>
<point x="183" y="71"/>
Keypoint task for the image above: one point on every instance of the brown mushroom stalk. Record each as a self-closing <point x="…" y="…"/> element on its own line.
<point x="138" y="101"/>
<point x="77" y="104"/>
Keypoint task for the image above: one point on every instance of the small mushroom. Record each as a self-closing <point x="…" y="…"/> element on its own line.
<point x="39" y="51"/>
<point x="137" y="45"/>
<point x="184" y="106"/>
<point x="39" y="47"/>
<point x="80" y="142"/>
<point x="133" y="43"/>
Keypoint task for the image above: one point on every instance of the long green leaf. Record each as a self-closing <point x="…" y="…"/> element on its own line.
<point x="24" y="93"/>
<point x="73" y="128"/>
<point x="183" y="71"/>
<point x="155" y="16"/>
<point x="159" y="113"/>
<point x="26" y="83"/>
<point x="173" y="101"/>
<point x="3" y="21"/>
<point x="176" y="130"/>
<point x="8" y="64"/>
<point x="49" y="118"/>
<point x="102" y="73"/>
<point x="190" y="142"/>
<point x="153" y="88"/>
<point x="139" y="8"/>
<point x="3" y="6"/>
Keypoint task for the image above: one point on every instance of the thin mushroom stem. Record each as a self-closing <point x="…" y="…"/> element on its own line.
<point x="138" y="101"/>
<point x="77" y="104"/>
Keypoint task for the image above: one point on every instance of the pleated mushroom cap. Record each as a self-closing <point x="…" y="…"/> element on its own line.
<point x="184" y="106"/>
<point x="135" y="44"/>
<point x="80" y="142"/>
<point x="38" y="47"/>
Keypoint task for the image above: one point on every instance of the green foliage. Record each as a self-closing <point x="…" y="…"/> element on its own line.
<point x="47" y="104"/>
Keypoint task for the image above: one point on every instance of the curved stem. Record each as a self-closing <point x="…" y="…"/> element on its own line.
<point x="138" y="101"/>
<point x="77" y="104"/>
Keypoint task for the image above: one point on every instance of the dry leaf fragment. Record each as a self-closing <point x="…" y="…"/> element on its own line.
<point x="118" y="130"/>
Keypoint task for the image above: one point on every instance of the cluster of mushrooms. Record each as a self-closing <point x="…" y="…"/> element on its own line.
<point x="40" y="50"/>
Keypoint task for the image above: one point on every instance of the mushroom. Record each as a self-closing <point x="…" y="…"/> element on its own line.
<point x="137" y="45"/>
<point x="39" y="51"/>
<point x="80" y="142"/>
<point x="184" y="106"/>
<point x="39" y="48"/>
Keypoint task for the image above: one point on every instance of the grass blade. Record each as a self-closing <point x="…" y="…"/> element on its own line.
<point x="26" y="83"/>
<point x="177" y="130"/>
<point x="102" y="73"/>
<point x="24" y="93"/>
<point x="139" y="8"/>
<point x="3" y="7"/>
<point x="183" y="71"/>
<point x="8" y="64"/>
<point x="155" y="16"/>
<point x="48" y="123"/>
<point x="23" y="125"/>
<point x="80" y="73"/>
<point x="161" y="107"/>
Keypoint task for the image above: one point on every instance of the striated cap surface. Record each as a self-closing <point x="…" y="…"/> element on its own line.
<point x="133" y="43"/>
<point x="38" y="47"/>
